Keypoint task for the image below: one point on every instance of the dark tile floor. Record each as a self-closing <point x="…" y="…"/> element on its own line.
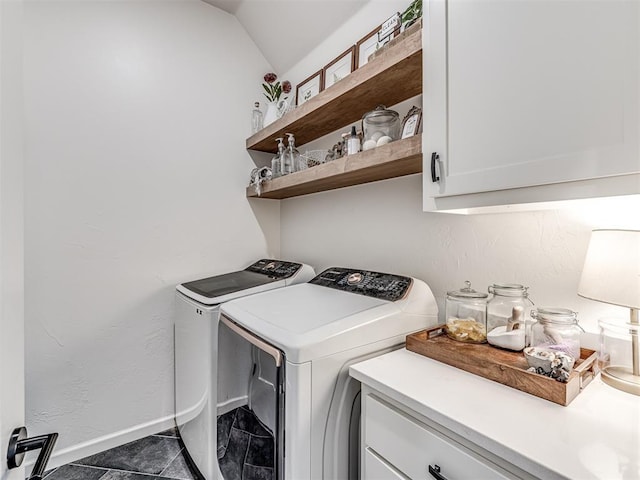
<point x="157" y="457"/>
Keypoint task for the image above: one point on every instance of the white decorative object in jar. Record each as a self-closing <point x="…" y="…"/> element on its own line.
<point x="508" y="318"/>
<point x="556" y="329"/>
<point x="380" y="126"/>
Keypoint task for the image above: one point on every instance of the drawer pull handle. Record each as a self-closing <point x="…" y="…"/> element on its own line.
<point x="435" y="472"/>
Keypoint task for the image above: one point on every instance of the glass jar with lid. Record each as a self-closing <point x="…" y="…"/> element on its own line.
<point x="508" y="316"/>
<point x="556" y="329"/>
<point x="380" y="126"/>
<point x="466" y="311"/>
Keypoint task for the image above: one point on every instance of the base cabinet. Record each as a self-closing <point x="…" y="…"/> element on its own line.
<point x="398" y="444"/>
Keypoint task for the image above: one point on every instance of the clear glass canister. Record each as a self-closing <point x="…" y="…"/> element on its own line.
<point x="508" y="316"/>
<point x="380" y="126"/>
<point x="619" y="354"/>
<point x="466" y="312"/>
<point x="556" y="329"/>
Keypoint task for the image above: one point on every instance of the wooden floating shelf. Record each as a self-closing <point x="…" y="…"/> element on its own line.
<point x="394" y="75"/>
<point x="396" y="159"/>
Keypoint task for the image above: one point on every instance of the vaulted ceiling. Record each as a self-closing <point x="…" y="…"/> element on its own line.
<point x="285" y="30"/>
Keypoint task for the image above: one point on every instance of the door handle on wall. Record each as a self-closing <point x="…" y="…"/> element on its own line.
<point x="19" y="444"/>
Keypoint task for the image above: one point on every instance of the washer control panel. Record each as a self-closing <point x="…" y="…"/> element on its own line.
<point x="385" y="286"/>
<point x="274" y="268"/>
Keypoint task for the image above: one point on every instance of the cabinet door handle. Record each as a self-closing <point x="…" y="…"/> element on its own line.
<point x="435" y="472"/>
<point x="434" y="159"/>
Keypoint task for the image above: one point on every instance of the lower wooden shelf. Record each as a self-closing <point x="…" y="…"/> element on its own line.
<point x="396" y="159"/>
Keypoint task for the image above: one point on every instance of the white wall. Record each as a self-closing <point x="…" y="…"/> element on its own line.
<point x="381" y="226"/>
<point x="11" y="230"/>
<point x="136" y="118"/>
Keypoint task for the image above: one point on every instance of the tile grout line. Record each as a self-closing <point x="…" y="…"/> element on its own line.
<point x="170" y="462"/>
<point x="110" y="469"/>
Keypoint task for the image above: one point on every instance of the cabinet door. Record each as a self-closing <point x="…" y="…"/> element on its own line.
<point x="529" y="92"/>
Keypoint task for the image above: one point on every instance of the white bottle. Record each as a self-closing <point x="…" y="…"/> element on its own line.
<point x="353" y="142"/>
<point x="256" y="118"/>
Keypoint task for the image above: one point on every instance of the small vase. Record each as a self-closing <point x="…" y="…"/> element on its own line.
<point x="274" y="111"/>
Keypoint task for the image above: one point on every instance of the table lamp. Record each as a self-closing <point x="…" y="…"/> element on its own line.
<point x="611" y="274"/>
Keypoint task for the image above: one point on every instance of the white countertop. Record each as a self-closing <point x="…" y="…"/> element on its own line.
<point x="597" y="436"/>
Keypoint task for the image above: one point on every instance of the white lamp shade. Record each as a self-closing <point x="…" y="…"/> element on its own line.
<point x="611" y="272"/>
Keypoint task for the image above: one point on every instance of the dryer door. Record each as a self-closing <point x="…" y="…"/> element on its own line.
<point x="251" y="402"/>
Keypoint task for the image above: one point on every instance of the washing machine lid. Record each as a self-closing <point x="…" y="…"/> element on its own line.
<point x="340" y="309"/>
<point x="262" y="275"/>
<point x="297" y="309"/>
<point x="307" y="321"/>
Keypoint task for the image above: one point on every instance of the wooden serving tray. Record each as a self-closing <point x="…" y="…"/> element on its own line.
<point x="503" y="366"/>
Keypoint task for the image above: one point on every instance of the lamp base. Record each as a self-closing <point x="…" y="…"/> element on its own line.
<point x="621" y="378"/>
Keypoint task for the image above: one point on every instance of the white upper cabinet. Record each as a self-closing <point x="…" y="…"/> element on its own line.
<point x="529" y="93"/>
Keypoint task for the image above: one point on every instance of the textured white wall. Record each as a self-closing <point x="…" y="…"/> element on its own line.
<point x="136" y="118"/>
<point x="381" y="226"/>
<point x="11" y="230"/>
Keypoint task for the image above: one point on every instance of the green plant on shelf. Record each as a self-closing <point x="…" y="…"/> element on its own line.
<point x="412" y="13"/>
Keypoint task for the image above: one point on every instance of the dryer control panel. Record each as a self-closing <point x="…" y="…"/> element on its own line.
<point x="274" y="268"/>
<point x="385" y="286"/>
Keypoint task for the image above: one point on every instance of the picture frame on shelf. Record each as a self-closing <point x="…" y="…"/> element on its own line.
<point x="389" y="28"/>
<point x="411" y="122"/>
<point x="339" y="67"/>
<point x="309" y="87"/>
<point x="366" y="46"/>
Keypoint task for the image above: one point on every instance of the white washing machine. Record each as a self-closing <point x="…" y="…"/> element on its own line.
<point x="301" y="341"/>
<point x="196" y="342"/>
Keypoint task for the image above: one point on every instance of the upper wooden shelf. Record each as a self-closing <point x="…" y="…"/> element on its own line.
<point x="395" y="159"/>
<point x="394" y="75"/>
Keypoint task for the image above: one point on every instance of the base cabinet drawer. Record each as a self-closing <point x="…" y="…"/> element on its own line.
<point x="378" y="469"/>
<point x="411" y="447"/>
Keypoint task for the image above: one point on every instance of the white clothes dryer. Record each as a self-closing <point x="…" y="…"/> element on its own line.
<point x="301" y="341"/>
<point x="196" y="342"/>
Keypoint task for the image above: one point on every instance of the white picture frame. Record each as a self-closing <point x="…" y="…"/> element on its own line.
<point x="340" y="67"/>
<point x="366" y="46"/>
<point x="411" y="122"/>
<point x="309" y="88"/>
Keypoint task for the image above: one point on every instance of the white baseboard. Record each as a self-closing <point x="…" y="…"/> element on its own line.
<point x="232" y="404"/>
<point x="97" y="445"/>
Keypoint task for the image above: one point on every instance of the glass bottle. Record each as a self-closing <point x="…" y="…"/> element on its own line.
<point x="294" y="162"/>
<point x="256" y="118"/>
<point x="290" y="157"/>
<point x="556" y="329"/>
<point x="276" y="162"/>
<point x="466" y="313"/>
<point x="282" y="155"/>
<point x="508" y="316"/>
<point x="343" y="144"/>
